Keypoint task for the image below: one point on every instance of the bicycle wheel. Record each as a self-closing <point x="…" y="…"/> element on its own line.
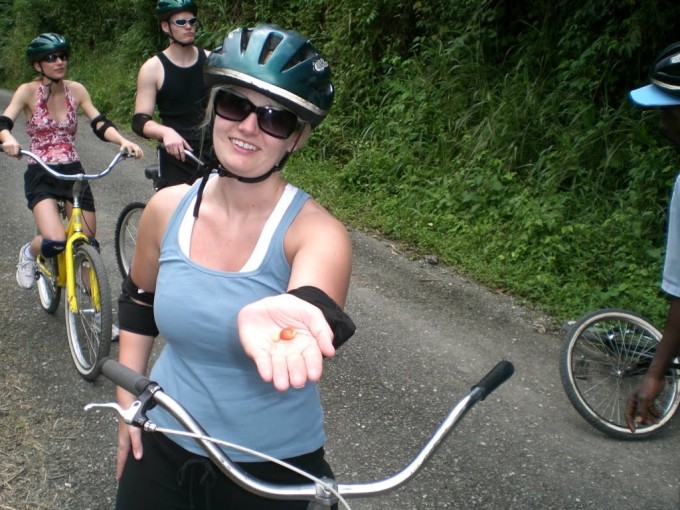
<point x="89" y="328"/>
<point x="125" y="235"/>
<point x="48" y="290"/>
<point x="604" y="355"/>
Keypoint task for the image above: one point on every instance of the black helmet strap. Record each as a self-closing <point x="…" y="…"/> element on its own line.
<point x="223" y="172"/>
<point x="49" y="85"/>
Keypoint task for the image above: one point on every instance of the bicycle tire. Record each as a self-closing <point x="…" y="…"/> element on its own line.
<point x="49" y="291"/>
<point x="604" y="355"/>
<point x="89" y="329"/>
<point x="125" y="235"/>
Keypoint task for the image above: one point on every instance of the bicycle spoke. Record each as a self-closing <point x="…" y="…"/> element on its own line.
<point x="604" y="356"/>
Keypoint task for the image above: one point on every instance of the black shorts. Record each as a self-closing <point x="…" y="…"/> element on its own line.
<point x="170" y="478"/>
<point x="39" y="185"/>
<point x="174" y="171"/>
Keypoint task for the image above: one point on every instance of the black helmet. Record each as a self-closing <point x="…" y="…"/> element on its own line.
<point x="665" y="71"/>
<point x="45" y="44"/>
<point x="166" y="8"/>
<point x="664" y="75"/>
<point x="280" y="64"/>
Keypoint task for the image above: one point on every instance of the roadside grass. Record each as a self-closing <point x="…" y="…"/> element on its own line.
<point x="23" y="450"/>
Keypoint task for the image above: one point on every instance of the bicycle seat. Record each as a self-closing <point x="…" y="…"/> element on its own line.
<point x="152" y="172"/>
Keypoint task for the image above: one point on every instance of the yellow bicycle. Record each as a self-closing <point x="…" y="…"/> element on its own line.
<point x="80" y="270"/>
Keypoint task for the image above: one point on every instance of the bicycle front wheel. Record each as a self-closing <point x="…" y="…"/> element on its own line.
<point x="125" y="235"/>
<point x="88" y="327"/>
<point x="604" y="356"/>
<point x="49" y="291"/>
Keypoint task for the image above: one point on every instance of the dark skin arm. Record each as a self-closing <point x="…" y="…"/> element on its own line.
<point x="641" y="409"/>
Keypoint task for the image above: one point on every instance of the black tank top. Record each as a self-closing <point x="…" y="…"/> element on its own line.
<point x="182" y="98"/>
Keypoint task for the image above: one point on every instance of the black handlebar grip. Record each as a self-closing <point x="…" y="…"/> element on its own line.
<point x="124" y="377"/>
<point x="497" y="376"/>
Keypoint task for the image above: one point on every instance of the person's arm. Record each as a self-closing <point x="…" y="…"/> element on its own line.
<point x="320" y="252"/>
<point x="641" y="409"/>
<point x="134" y="348"/>
<point x="149" y="80"/>
<point x="319" y="249"/>
<point x="669" y="346"/>
<point x="103" y="127"/>
<point x="17" y="104"/>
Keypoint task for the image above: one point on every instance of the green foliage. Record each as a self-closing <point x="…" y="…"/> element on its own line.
<point x="495" y="134"/>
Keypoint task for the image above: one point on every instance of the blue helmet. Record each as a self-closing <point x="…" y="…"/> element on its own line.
<point x="46" y="44"/>
<point x="280" y="64"/>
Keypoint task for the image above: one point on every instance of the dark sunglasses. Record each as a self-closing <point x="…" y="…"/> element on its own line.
<point x="52" y="57"/>
<point x="276" y="122"/>
<point x="180" y="22"/>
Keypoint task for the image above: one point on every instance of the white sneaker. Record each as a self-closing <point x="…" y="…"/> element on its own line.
<point x="25" y="270"/>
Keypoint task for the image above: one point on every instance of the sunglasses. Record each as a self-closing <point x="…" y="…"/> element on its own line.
<point x="180" y="22"/>
<point x="53" y="57"/>
<point x="276" y="122"/>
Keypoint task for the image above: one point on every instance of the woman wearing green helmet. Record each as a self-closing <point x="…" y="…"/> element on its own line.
<point x="267" y="269"/>
<point x="50" y="105"/>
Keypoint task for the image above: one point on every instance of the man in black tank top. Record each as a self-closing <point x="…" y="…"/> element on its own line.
<point x="172" y="81"/>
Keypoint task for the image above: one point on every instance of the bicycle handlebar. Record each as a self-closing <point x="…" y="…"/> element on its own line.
<point x="150" y="393"/>
<point x="187" y="153"/>
<point x="75" y="177"/>
<point x="125" y="377"/>
<point x="496" y="376"/>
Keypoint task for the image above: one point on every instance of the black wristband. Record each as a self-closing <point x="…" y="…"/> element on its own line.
<point x="105" y="124"/>
<point x="6" y="123"/>
<point x="130" y="288"/>
<point x="138" y="121"/>
<point x="341" y="324"/>
<point x="136" y="317"/>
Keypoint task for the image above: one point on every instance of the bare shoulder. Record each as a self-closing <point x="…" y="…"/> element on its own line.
<point x="314" y="220"/>
<point x="27" y="88"/>
<point x="150" y="74"/>
<point x="151" y="65"/>
<point x="26" y="91"/>
<point x="164" y="202"/>
<point x="78" y="90"/>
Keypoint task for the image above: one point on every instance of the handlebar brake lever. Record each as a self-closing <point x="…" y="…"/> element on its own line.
<point x="134" y="415"/>
<point x="129" y="415"/>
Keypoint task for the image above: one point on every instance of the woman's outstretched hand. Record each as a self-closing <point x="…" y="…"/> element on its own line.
<point x="287" y="338"/>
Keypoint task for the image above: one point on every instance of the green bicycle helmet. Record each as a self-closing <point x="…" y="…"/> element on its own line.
<point x="45" y="44"/>
<point x="167" y="8"/>
<point x="280" y="64"/>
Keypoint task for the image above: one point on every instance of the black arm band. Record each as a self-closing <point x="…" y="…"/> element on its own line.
<point x="100" y="124"/>
<point x="341" y="324"/>
<point x="130" y="288"/>
<point x="138" y="122"/>
<point x="6" y="123"/>
<point x="136" y="317"/>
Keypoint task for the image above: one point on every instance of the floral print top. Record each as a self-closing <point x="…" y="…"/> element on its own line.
<point x="51" y="140"/>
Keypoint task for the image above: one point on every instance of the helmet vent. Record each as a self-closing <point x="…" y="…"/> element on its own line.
<point x="269" y="47"/>
<point x="304" y="53"/>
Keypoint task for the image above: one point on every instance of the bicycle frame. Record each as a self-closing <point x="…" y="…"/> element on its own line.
<point x="150" y="393"/>
<point x="74" y="230"/>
